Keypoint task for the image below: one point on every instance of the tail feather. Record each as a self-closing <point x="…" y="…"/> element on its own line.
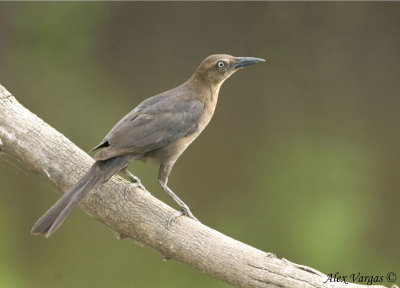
<point x="99" y="173"/>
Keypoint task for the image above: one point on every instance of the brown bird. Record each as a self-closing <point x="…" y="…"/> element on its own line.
<point x="160" y="128"/>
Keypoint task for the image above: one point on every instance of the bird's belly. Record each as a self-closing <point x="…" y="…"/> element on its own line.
<point x="171" y="152"/>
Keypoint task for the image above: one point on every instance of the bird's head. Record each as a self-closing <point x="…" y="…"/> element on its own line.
<point x="215" y="69"/>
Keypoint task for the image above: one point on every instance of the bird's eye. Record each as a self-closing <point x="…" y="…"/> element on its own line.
<point x="221" y="64"/>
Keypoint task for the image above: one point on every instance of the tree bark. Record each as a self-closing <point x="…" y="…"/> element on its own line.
<point x="138" y="215"/>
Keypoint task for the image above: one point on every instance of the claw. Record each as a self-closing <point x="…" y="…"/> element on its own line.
<point x="127" y="189"/>
<point x="140" y="185"/>
<point x="186" y="211"/>
<point x="131" y="185"/>
<point x="135" y="181"/>
<point x="172" y="218"/>
<point x="183" y="211"/>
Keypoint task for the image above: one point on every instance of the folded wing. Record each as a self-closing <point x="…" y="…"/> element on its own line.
<point x="151" y="126"/>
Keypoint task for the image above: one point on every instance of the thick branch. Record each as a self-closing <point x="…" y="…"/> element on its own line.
<point x="40" y="148"/>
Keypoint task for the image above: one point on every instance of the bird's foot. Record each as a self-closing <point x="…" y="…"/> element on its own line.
<point x="135" y="181"/>
<point x="134" y="184"/>
<point x="139" y="184"/>
<point x="183" y="211"/>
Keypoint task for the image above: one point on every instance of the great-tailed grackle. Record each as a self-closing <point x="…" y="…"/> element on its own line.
<point x="161" y="128"/>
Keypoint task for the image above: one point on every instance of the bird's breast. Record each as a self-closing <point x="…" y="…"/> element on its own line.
<point x="172" y="151"/>
<point x="208" y="112"/>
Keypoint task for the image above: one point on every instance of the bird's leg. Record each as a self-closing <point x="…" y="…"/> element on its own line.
<point x="135" y="181"/>
<point x="184" y="209"/>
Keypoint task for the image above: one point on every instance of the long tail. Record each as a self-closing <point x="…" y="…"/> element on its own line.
<point x="99" y="173"/>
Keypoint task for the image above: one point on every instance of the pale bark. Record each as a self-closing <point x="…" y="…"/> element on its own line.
<point x="138" y="215"/>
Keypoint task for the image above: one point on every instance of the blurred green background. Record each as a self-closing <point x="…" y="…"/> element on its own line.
<point x="301" y="158"/>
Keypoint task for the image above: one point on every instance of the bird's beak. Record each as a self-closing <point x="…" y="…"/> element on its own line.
<point x="245" y="61"/>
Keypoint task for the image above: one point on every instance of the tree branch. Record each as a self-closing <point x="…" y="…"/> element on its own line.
<point x="138" y="215"/>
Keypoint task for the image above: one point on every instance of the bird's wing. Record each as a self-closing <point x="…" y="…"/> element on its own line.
<point x="151" y="125"/>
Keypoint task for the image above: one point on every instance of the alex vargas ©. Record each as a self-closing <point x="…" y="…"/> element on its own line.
<point x="355" y="277"/>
